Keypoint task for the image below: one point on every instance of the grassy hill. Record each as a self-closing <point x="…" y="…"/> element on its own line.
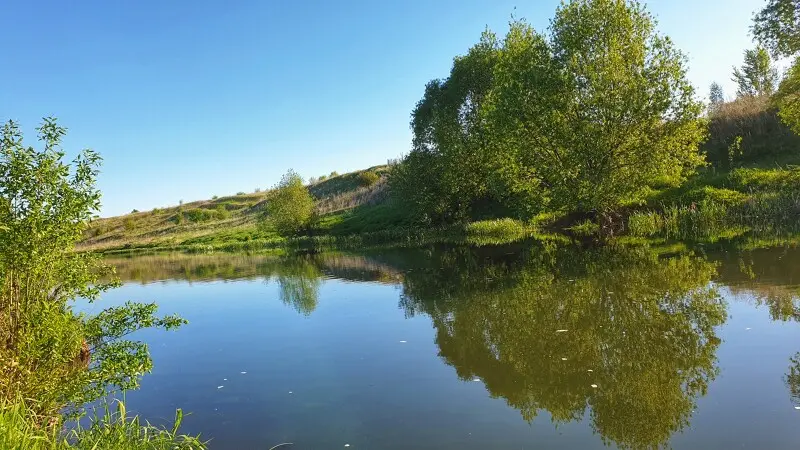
<point x="347" y="204"/>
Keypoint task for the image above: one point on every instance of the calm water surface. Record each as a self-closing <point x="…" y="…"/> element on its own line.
<point x="519" y="347"/>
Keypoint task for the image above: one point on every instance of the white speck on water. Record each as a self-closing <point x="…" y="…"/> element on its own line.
<point x="563" y="359"/>
<point x="224" y="379"/>
<point x="220" y="387"/>
<point x="242" y="373"/>
<point x="290" y="392"/>
<point x="347" y="445"/>
<point x="402" y="342"/>
<point x="797" y="407"/>
<point x="476" y="379"/>
<point x="589" y="370"/>
<point x="561" y="331"/>
<point x="594" y="386"/>
<point x="748" y="328"/>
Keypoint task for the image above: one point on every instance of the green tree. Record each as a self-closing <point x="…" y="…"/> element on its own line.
<point x="757" y="76"/>
<point x="787" y="99"/>
<point x="777" y="27"/>
<point x="608" y="112"/>
<point x="47" y="352"/>
<point x="445" y="175"/>
<point x="716" y="96"/>
<point x="290" y="207"/>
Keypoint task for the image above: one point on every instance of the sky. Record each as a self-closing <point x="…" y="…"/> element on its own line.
<point x="188" y="99"/>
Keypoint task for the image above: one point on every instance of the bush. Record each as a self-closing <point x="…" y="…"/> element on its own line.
<point x="368" y="178"/>
<point x="221" y="212"/>
<point x="333" y="174"/>
<point x="129" y="224"/>
<point x="241" y="193"/>
<point x="44" y="345"/>
<point x="290" y="208"/>
<point x="198" y="215"/>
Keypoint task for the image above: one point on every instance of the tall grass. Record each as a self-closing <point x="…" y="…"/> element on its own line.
<point x="107" y="431"/>
<point x="756" y="125"/>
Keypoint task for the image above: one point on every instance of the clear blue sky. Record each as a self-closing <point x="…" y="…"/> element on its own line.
<point x="189" y="99"/>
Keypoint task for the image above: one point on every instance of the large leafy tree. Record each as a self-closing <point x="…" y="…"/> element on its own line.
<point x="610" y="110"/>
<point x="777" y="27"/>
<point x="757" y="76"/>
<point x="582" y="119"/>
<point x="290" y="207"/>
<point x="445" y="180"/>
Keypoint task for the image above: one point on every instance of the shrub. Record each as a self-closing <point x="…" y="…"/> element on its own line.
<point x="241" y="193"/>
<point x="290" y="208"/>
<point x="129" y="224"/>
<point x="45" y="206"/>
<point x="333" y="174"/>
<point x="199" y="215"/>
<point x="221" y="212"/>
<point x="368" y="178"/>
<point x="214" y="197"/>
<point x="134" y="211"/>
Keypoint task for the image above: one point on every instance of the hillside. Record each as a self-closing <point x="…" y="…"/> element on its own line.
<point x="347" y="203"/>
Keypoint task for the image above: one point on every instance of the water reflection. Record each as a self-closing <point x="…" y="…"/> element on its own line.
<point x="619" y="336"/>
<point x="618" y="332"/>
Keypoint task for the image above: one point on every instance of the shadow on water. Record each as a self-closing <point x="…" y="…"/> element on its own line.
<point x="622" y="337"/>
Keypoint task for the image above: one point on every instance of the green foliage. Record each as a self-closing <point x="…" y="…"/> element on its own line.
<point x="333" y="174"/>
<point x="777" y="27"/>
<point x="112" y="430"/>
<point x="787" y="99"/>
<point x="444" y="177"/>
<point x="45" y="207"/>
<point x="499" y="227"/>
<point x="241" y="193"/>
<point x="198" y="215"/>
<point x="757" y="76"/>
<point x="221" y="212"/>
<point x="368" y="178"/>
<point x="585" y="228"/>
<point x="290" y="207"/>
<point x="574" y="120"/>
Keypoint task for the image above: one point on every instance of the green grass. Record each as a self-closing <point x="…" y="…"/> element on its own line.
<point x="19" y="430"/>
